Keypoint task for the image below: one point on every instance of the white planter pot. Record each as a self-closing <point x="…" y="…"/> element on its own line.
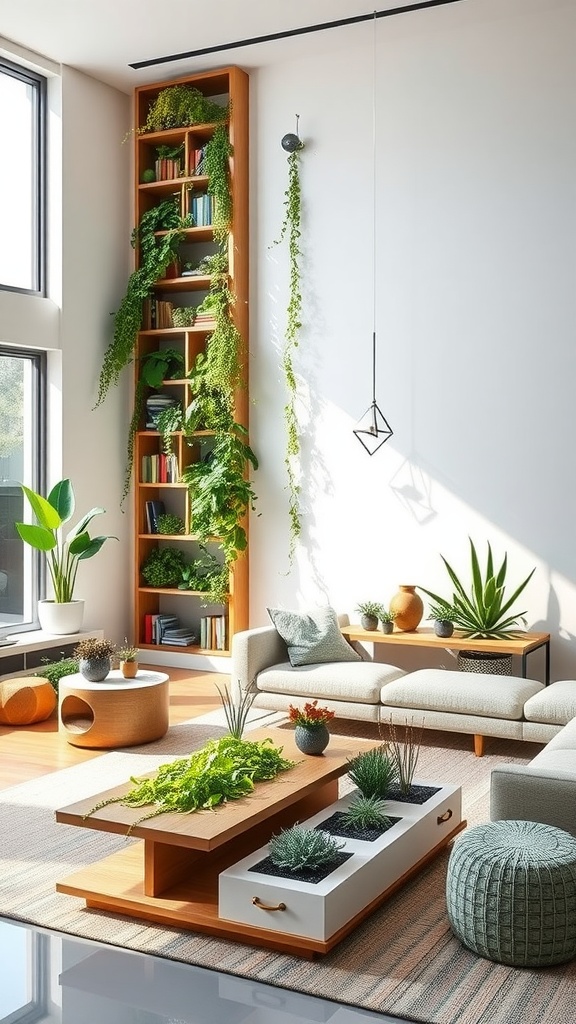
<point x="60" y="618"/>
<point x="320" y="910"/>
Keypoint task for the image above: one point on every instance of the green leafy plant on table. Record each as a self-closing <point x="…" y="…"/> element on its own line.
<point x="303" y="849"/>
<point x="163" y="567"/>
<point x="385" y="616"/>
<point x="484" y="611"/>
<point x="291" y="227"/>
<point x="224" y="769"/>
<point x="62" y="553"/>
<point x="365" y="812"/>
<point x="374" y="771"/>
<point x="374" y="609"/>
<point x="441" y="612"/>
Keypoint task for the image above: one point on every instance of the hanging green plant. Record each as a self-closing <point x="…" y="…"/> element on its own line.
<point x="216" y="164"/>
<point x="178" y="106"/>
<point x="155" y="255"/>
<point x="291" y="227"/>
<point x="220" y="494"/>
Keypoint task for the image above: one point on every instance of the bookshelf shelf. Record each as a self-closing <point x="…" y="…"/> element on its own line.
<point x="175" y="176"/>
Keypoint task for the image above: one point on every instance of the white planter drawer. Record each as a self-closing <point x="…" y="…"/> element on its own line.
<point x="319" y="910"/>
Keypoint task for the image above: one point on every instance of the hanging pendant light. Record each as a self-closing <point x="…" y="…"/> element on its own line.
<point x="373" y="429"/>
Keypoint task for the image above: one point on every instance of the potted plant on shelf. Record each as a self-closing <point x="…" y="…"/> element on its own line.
<point x="62" y="613"/>
<point x="128" y="657"/>
<point x="484" y="611"/>
<point x="94" y="658"/>
<point x="311" y="733"/>
<point x="386" y="620"/>
<point x="370" y="613"/>
<point x="443" y="616"/>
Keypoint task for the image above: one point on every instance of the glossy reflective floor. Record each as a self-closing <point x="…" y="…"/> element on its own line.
<point x="47" y="976"/>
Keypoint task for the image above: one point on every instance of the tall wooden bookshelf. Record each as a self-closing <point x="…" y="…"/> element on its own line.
<point x="229" y="87"/>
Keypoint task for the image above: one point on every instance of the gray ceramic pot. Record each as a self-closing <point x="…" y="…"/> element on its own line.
<point x="313" y="739"/>
<point x="95" y="670"/>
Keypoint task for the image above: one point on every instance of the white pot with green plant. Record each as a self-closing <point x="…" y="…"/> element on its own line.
<point x="62" y="613"/>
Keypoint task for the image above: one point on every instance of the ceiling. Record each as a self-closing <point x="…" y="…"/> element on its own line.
<point x="103" y="37"/>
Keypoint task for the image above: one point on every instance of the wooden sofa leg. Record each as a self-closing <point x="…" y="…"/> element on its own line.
<point x="478" y="745"/>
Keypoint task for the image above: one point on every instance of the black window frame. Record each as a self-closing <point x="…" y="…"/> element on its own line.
<point x="39" y="85"/>
<point x="39" y="363"/>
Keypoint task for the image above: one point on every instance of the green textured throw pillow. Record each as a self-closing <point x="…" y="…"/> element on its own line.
<point x="312" y="638"/>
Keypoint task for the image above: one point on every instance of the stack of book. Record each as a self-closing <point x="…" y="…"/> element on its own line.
<point x="156" y="314"/>
<point x="166" y="169"/>
<point x="179" y="636"/>
<point x="156" y="625"/>
<point x="196" y="161"/>
<point x="213" y="632"/>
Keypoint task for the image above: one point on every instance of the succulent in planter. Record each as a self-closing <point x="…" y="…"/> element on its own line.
<point x="297" y="849"/>
<point x="370" y="614"/>
<point x="374" y="771"/>
<point x="365" y="812"/>
<point x="94" y="658"/>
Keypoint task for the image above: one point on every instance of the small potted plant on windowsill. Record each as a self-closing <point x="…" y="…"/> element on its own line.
<point x="128" y="658"/>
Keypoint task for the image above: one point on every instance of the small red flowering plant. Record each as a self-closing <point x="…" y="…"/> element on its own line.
<point x="310" y="715"/>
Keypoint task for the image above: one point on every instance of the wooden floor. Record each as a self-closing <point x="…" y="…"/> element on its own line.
<point x="29" y="751"/>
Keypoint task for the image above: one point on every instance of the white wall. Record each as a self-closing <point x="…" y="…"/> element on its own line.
<point x="476" y="221"/>
<point x="89" y="261"/>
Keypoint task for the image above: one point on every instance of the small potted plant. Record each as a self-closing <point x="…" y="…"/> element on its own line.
<point x="308" y="853"/>
<point x="386" y="620"/>
<point x="370" y="613"/>
<point x="311" y="733"/>
<point x="128" y="657"/>
<point x="374" y="771"/>
<point x="94" y="657"/>
<point x="443" y="615"/>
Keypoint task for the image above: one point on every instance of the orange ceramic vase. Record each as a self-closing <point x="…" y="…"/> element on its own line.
<point x="407" y="607"/>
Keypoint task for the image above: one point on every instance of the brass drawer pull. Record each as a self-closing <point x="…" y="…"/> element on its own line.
<point x="444" y="817"/>
<point x="262" y="906"/>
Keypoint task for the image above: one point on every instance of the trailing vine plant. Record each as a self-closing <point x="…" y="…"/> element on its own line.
<point x="291" y="228"/>
<point x="156" y="254"/>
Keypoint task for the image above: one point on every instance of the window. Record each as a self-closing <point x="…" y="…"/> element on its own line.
<point x="22" y="179"/>
<point x="23" y="954"/>
<point x="22" y="460"/>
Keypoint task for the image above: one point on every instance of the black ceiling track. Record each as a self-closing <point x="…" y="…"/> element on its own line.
<point x="305" y="30"/>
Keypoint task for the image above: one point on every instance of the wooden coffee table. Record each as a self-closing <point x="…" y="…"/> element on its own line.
<point x="172" y="876"/>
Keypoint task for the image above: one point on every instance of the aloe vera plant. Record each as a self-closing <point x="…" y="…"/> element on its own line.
<point x="484" y="612"/>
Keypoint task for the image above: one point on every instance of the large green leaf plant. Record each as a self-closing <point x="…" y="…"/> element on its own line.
<point x="62" y="554"/>
<point x="484" y="611"/>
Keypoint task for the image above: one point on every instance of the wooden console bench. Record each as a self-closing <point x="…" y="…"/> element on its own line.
<point x="425" y="637"/>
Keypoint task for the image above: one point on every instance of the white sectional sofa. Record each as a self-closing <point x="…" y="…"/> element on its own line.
<point x="480" y="705"/>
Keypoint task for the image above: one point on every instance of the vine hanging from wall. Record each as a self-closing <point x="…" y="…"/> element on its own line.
<point x="291" y="229"/>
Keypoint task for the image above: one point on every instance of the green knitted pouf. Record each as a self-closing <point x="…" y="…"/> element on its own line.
<point x="511" y="893"/>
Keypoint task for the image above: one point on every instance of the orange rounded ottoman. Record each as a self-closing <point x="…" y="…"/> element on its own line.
<point x="25" y="700"/>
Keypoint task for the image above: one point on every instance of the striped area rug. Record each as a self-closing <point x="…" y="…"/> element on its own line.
<point x="403" y="960"/>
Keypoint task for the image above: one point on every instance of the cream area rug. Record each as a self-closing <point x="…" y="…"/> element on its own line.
<point x="403" y="960"/>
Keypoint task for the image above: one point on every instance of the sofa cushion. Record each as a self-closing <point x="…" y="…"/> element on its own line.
<point x="555" y="704"/>
<point x="555" y="759"/>
<point x="468" y="693"/>
<point x="563" y="740"/>
<point x="360" y="682"/>
<point x="312" y="638"/>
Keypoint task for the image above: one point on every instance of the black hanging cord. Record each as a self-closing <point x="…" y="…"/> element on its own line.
<point x="305" y="30"/>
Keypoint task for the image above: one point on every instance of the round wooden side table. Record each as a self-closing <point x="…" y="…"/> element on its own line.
<point x="117" y="712"/>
